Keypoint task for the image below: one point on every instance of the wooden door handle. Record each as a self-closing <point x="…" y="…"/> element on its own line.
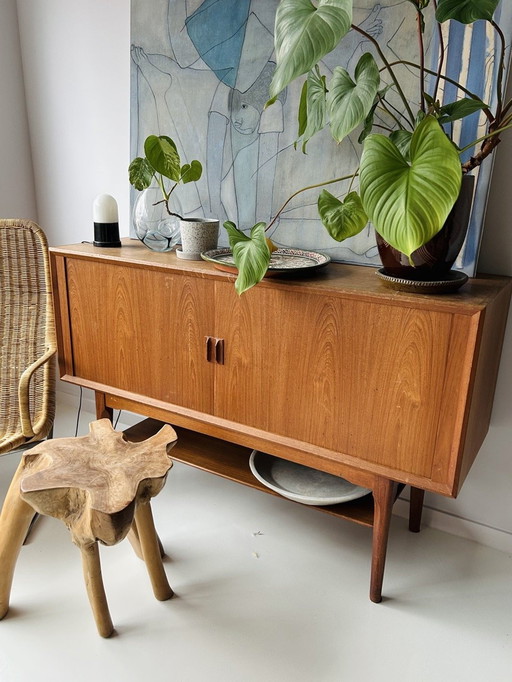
<point x="214" y="350"/>
<point x="209" y="348"/>
<point x="219" y="351"/>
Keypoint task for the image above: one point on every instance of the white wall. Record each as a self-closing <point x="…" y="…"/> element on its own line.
<point x="17" y="198"/>
<point x="76" y="64"/>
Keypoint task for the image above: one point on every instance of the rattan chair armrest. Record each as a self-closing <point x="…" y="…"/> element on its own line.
<point x="23" y="392"/>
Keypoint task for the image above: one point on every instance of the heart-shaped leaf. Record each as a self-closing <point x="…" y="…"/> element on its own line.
<point x="466" y="11"/>
<point x="190" y="172"/>
<point x="342" y="219"/>
<point x="408" y="203"/>
<point x="162" y="155"/>
<point x="312" y="107"/>
<point x="250" y="253"/>
<point x="349" y="102"/>
<point x="304" y="34"/>
<point x="140" y="173"/>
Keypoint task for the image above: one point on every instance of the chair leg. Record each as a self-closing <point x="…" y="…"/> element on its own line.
<point x="416" y="509"/>
<point x="95" y="590"/>
<point x="14" y="523"/>
<point x="151" y="552"/>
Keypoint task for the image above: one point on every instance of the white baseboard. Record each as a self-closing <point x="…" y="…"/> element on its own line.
<point x="433" y="518"/>
<point x="457" y="525"/>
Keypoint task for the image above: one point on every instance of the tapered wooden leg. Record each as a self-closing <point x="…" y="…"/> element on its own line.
<point x="95" y="589"/>
<point x="31" y="527"/>
<point x="383" y="496"/>
<point x="14" y="524"/>
<point x="416" y="509"/>
<point x="102" y="411"/>
<point x="151" y="552"/>
<point x="133" y="537"/>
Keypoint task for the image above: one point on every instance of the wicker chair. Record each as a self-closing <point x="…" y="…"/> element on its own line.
<point x="27" y="334"/>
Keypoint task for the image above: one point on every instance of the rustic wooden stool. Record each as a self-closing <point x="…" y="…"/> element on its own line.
<point x="100" y="486"/>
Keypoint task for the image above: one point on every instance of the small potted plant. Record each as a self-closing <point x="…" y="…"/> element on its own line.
<point x="409" y="179"/>
<point x="157" y="220"/>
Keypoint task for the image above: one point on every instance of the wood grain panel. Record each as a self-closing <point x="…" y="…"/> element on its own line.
<point x="354" y="377"/>
<point x="141" y="331"/>
<point x="62" y="324"/>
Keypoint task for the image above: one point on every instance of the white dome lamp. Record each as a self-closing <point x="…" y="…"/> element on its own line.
<point x="106" y="221"/>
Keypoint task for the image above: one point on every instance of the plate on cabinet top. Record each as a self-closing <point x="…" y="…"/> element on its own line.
<point x="281" y="261"/>
<point x="301" y="483"/>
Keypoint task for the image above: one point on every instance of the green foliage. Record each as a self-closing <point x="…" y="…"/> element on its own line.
<point x="312" y="106"/>
<point x="162" y="154"/>
<point x="349" y="101"/>
<point x="162" y="160"/>
<point x="460" y="109"/>
<point x="342" y="219"/>
<point x="251" y="254"/>
<point x="466" y="11"/>
<point x="410" y="179"/>
<point x="304" y="34"/>
<point x="408" y="202"/>
<point x="141" y="173"/>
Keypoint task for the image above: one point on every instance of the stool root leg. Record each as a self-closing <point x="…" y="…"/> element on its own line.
<point x="15" y="521"/>
<point x="151" y="552"/>
<point x="95" y="589"/>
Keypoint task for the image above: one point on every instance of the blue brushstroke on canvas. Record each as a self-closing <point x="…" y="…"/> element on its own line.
<point x="217" y="29"/>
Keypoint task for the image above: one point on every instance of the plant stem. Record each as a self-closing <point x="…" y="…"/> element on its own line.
<point x="490" y="142"/>
<point x="506" y="108"/>
<point x="422" y="60"/>
<point x="486" y="111"/>
<point x="501" y="69"/>
<point x="382" y="127"/>
<point x="441" y="57"/>
<point x="388" y="67"/>
<point x="319" y="184"/>
<point x="384" y="106"/>
<point x="505" y="126"/>
<point x="397" y="111"/>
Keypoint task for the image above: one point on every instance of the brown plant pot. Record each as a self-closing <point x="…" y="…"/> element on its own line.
<point x="434" y="260"/>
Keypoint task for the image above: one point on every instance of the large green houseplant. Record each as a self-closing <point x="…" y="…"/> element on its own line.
<point x="409" y="178"/>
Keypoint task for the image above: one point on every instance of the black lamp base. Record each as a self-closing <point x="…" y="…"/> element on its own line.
<point x="106" y="235"/>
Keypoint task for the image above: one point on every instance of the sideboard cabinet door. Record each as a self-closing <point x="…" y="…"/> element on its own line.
<point x="364" y="379"/>
<point x="142" y="331"/>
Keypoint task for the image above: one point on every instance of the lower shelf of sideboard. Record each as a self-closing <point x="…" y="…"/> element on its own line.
<point x="231" y="461"/>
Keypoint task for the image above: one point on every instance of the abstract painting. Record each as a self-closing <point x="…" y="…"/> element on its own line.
<point x="200" y="74"/>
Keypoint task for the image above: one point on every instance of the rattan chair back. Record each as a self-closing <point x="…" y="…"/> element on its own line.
<point x="27" y="336"/>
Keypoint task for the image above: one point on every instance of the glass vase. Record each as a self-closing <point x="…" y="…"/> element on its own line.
<point x="153" y="225"/>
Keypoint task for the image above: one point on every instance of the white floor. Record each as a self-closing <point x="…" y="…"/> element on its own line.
<point x="266" y="590"/>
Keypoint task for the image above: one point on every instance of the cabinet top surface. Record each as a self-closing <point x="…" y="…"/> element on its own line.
<point x="335" y="279"/>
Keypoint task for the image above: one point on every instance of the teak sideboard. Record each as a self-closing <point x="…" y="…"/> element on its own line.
<point x="333" y="371"/>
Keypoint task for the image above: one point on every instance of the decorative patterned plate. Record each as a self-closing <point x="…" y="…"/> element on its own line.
<point x="300" y="483"/>
<point x="453" y="281"/>
<point x="281" y="261"/>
